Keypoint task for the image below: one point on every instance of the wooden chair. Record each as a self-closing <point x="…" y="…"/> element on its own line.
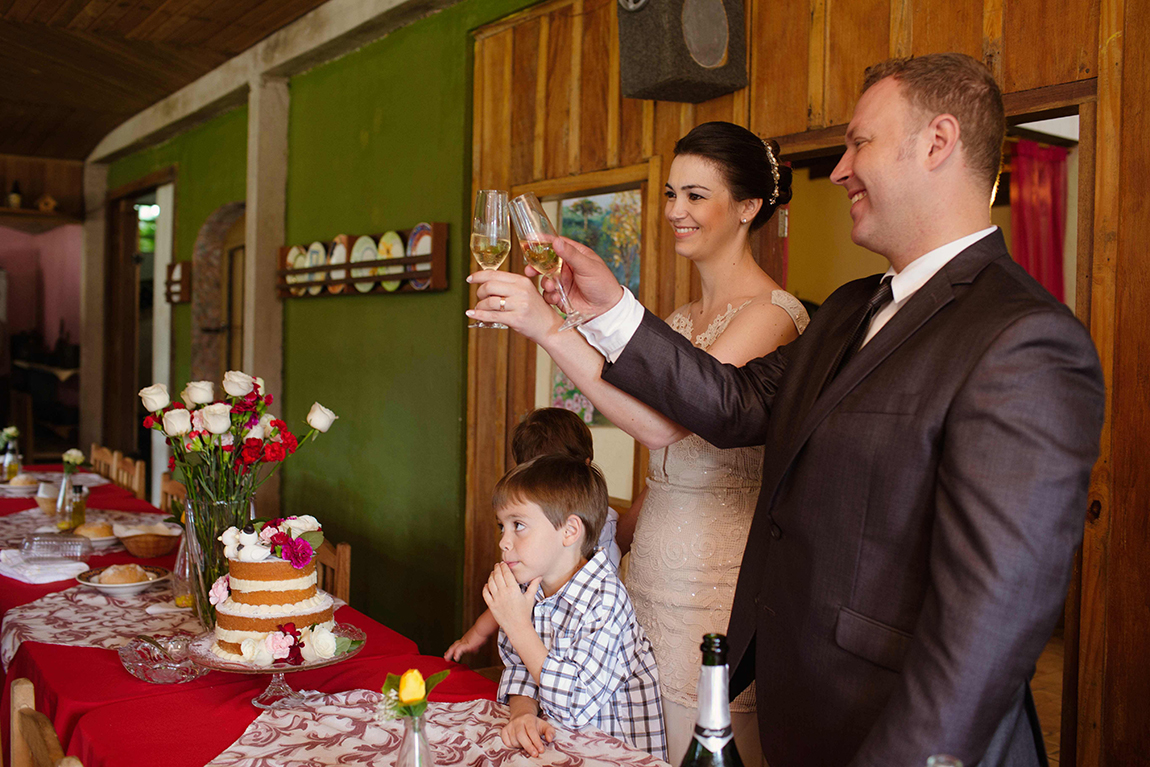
<point x="34" y="740"/>
<point x="102" y="460"/>
<point x="172" y="492"/>
<point x="130" y="474"/>
<point x="333" y="568"/>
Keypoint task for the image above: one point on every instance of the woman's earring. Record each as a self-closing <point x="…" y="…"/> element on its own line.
<point x="743" y="220"/>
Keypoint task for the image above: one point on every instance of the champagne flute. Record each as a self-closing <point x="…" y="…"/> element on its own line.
<point x="536" y="234"/>
<point x="490" y="236"/>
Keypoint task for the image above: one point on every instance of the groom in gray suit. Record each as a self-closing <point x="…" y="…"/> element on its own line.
<point x="929" y="445"/>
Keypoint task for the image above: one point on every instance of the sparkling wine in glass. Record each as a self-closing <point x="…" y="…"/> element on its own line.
<point x="490" y="236"/>
<point x="536" y="234"/>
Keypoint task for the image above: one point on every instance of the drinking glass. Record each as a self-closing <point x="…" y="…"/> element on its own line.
<point x="490" y="236"/>
<point x="535" y="234"/>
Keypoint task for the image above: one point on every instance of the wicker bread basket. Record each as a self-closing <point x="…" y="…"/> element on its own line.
<point x="150" y="545"/>
<point x="47" y="505"/>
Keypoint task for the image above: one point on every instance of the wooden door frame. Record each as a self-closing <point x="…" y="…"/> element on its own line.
<point x="121" y="321"/>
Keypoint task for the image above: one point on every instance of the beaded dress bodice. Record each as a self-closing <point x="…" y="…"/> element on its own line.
<point x="690" y="537"/>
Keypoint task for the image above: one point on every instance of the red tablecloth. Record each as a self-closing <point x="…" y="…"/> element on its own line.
<point x="105" y="716"/>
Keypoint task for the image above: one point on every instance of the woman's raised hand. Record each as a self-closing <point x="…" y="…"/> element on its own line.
<point x="515" y="301"/>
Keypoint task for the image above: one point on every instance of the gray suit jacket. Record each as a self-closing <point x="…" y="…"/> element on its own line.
<point x="918" y="516"/>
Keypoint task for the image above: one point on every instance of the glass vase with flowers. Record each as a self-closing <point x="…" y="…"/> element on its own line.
<point x="405" y="697"/>
<point x="70" y="504"/>
<point x="224" y="450"/>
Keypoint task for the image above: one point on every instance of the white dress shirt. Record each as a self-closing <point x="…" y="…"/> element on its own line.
<point x="611" y="331"/>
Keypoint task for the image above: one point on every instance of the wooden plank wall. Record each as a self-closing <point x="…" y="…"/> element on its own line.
<point x="63" y="179"/>
<point x="547" y="108"/>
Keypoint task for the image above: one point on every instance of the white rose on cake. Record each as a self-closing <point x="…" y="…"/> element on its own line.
<point x="301" y="525"/>
<point x="319" y="643"/>
<point x="256" y="652"/>
<point x="238" y="384"/>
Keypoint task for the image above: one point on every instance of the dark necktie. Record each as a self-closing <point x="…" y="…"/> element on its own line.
<point x="881" y="298"/>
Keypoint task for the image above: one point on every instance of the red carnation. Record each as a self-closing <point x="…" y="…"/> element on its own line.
<point x="278" y="424"/>
<point x="273" y="451"/>
<point x="171" y="463"/>
<point x="149" y="422"/>
<point x="178" y="406"/>
<point x="227" y="448"/>
<point x="252" y="451"/>
<point x="268" y="400"/>
<point x="289" y="441"/>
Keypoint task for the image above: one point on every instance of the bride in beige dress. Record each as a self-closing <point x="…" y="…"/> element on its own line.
<point x="690" y="525"/>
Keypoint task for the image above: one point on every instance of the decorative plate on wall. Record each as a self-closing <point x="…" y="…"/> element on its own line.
<point x="338" y="256"/>
<point x="294" y="260"/>
<point x="364" y="250"/>
<point x="419" y="244"/>
<point x="391" y="246"/>
<point x="316" y="256"/>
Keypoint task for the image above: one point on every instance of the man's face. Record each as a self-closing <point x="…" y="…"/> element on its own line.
<point x="880" y="170"/>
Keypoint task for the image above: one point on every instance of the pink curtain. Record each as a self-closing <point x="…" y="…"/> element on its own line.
<point x="1038" y="212"/>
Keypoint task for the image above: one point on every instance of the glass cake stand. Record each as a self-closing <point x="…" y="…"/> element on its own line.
<point x="278" y="690"/>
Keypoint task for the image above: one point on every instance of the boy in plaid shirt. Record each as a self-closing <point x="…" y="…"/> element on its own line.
<point x="574" y="653"/>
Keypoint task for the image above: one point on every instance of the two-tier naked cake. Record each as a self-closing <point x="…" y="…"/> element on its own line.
<point x="270" y="591"/>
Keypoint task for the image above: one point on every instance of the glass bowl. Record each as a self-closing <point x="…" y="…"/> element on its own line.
<point x="161" y="659"/>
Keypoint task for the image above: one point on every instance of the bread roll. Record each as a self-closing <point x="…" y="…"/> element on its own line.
<point x="23" y="480"/>
<point x="132" y="573"/>
<point x="94" y="530"/>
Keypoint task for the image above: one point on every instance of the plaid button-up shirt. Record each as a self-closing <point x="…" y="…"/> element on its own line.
<point x="599" y="669"/>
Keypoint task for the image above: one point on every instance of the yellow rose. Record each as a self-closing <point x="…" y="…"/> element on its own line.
<point x="411" y="687"/>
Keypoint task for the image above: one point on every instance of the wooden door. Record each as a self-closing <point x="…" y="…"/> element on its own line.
<point x="121" y="308"/>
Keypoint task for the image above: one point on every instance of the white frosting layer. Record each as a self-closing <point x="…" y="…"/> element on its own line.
<point x="294" y="584"/>
<point x="321" y="601"/>
<point x="238" y="637"/>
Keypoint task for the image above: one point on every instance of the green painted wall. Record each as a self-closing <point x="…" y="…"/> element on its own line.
<point x="379" y="140"/>
<point x="211" y="163"/>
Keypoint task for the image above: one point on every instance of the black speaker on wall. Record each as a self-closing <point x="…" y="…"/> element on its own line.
<point x="682" y="50"/>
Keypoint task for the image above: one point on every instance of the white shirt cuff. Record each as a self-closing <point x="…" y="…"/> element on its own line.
<point x="612" y="330"/>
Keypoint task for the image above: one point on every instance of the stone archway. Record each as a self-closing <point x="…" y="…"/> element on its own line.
<point x="210" y="294"/>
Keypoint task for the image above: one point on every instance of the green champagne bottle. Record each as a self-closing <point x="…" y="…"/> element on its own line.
<point x="713" y="744"/>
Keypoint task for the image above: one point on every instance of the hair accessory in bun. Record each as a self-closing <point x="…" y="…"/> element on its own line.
<point x="774" y="171"/>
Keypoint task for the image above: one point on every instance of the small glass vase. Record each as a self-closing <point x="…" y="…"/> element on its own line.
<point x="206" y="521"/>
<point x="414" y="751"/>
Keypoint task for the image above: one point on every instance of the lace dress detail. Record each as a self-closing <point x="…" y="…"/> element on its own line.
<point x="689" y="541"/>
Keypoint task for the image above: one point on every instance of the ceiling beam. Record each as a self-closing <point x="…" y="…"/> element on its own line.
<point x="330" y="31"/>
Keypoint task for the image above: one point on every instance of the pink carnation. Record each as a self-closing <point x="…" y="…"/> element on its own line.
<point x="219" y="591"/>
<point x="297" y="551"/>
<point x="279" y="644"/>
<point x="268" y="532"/>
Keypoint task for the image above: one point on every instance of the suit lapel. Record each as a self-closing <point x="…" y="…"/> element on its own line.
<point x="818" y="403"/>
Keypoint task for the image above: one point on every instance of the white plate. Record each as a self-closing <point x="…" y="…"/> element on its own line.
<point x="364" y="250"/>
<point x="316" y="256"/>
<point x="103" y="543"/>
<point x="338" y="256"/>
<point x="123" y="589"/>
<point x="419" y="244"/>
<point x="20" y="491"/>
<point x="391" y="246"/>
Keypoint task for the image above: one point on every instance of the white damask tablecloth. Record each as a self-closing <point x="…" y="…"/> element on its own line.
<point x="84" y="617"/>
<point x="340" y="729"/>
<point x="14" y="527"/>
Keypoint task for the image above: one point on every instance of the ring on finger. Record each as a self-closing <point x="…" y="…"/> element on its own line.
<point x="502" y="303"/>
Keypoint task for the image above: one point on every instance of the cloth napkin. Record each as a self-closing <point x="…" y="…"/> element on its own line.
<point x="12" y="564"/>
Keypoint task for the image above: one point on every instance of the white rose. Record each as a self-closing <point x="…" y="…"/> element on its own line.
<point x="320" y="418"/>
<point x="260" y="383"/>
<point x="238" y="384"/>
<point x="177" y="422"/>
<point x="256" y="653"/>
<point x="198" y="393"/>
<point x="300" y="525"/>
<point x="217" y="417"/>
<point x="73" y="456"/>
<point x="321" y="642"/>
<point x="155" y="397"/>
<point x="256" y="432"/>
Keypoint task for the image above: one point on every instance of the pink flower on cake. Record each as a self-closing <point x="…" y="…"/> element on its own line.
<point x="298" y="552"/>
<point x="279" y="644"/>
<point x="219" y="592"/>
<point x="269" y="531"/>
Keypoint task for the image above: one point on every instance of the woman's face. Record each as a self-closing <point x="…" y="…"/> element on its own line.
<point x="704" y="218"/>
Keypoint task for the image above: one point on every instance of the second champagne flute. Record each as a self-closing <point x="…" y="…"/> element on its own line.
<point x="490" y="236"/>
<point x="536" y="234"/>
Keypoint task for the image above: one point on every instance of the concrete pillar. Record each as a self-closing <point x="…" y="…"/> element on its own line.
<point x="92" y="276"/>
<point x="265" y="212"/>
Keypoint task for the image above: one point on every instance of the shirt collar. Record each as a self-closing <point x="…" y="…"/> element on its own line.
<point x="578" y="591"/>
<point x="917" y="273"/>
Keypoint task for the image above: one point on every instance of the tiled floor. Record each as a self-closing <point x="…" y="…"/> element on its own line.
<point x="1047" y="688"/>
